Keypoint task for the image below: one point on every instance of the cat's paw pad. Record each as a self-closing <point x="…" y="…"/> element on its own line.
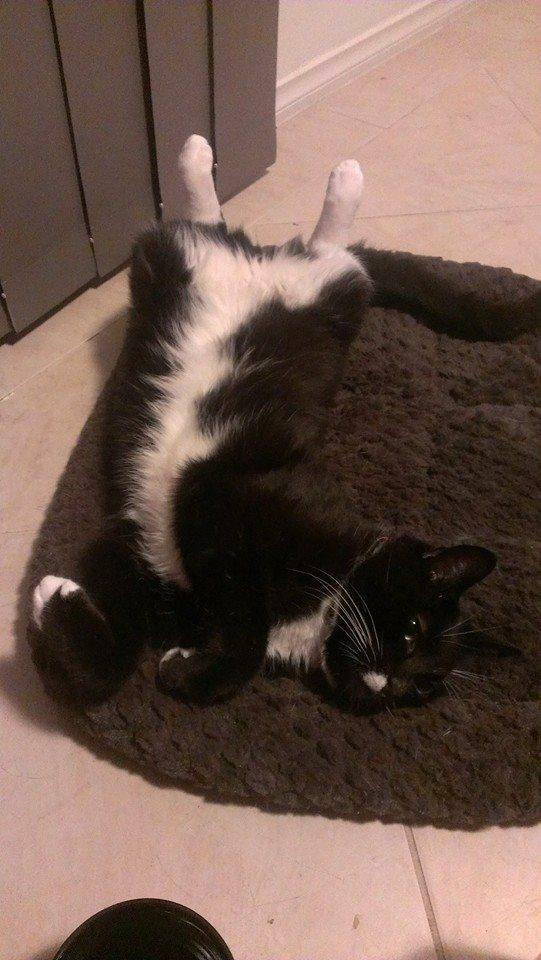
<point x="196" y="156"/>
<point x="346" y="181"/>
<point x="47" y="588"/>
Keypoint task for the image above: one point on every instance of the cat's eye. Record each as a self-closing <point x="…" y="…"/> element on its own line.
<point x="410" y="643"/>
<point x="413" y="629"/>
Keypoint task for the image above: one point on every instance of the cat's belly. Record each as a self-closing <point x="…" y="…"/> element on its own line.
<point x="174" y="440"/>
<point x="228" y="288"/>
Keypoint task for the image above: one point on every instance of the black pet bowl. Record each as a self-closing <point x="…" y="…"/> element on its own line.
<point x="145" y="930"/>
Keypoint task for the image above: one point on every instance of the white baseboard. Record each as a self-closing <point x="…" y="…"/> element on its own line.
<point x="340" y="65"/>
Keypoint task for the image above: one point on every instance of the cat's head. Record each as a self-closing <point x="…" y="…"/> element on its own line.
<point x="397" y="626"/>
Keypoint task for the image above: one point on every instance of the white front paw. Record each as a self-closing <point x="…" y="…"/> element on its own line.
<point x="346" y="181"/>
<point x="196" y="155"/>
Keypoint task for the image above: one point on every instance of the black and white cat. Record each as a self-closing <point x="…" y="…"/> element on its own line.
<point x="232" y="544"/>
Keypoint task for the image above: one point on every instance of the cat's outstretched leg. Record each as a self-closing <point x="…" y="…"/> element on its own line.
<point x="75" y="647"/>
<point x="199" y="200"/>
<point x="344" y="191"/>
<point x="88" y="634"/>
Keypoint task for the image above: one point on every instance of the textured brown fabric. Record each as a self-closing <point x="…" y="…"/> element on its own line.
<point x="437" y="436"/>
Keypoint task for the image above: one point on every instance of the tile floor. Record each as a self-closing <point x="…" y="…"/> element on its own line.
<point x="448" y="135"/>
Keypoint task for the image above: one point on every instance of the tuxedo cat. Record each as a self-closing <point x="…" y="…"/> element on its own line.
<point x="231" y="544"/>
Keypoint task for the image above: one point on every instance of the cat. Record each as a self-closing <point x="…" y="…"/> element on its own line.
<point x="232" y="546"/>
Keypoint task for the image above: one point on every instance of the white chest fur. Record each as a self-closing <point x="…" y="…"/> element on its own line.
<point x="300" y="642"/>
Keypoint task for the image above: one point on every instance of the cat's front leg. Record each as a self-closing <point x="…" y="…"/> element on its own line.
<point x="195" y="164"/>
<point x="342" y="199"/>
<point x="208" y="675"/>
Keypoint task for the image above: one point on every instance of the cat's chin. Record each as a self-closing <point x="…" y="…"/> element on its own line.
<point x="369" y="704"/>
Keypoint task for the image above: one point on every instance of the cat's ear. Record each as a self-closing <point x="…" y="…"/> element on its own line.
<point x="455" y="569"/>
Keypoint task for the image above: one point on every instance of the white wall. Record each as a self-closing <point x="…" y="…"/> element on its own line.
<point x="311" y="28"/>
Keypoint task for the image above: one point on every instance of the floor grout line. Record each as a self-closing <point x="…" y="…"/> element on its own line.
<point x="386" y="55"/>
<point x="423" y="888"/>
<point x="396" y="216"/>
<point x="61" y="356"/>
<point x="470" y="69"/>
<point x="506" y="94"/>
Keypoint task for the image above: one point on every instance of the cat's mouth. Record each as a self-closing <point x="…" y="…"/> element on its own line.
<point x="380" y="687"/>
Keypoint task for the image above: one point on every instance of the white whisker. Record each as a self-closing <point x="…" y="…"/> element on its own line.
<point x="357" y="613"/>
<point x="347" y="605"/>
<point x="367" y="608"/>
<point x="344" y="616"/>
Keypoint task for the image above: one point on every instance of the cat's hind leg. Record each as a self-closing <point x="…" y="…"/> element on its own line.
<point x="195" y="163"/>
<point x="74" y="646"/>
<point x="87" y="635"/>
<point x="342" y="199"/>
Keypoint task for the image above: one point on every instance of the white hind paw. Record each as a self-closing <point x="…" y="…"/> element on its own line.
<point x="346" y="182"/>
<point x="196" y="156"/>
<point x="45" y="589"/>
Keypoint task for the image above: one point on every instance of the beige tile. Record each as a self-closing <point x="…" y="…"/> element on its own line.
<point x="529" y="10"/>
<point x="312" y="878"/>
<point x="484" y="888"/>
<point x="490" y="33"/>
<point x="256" y="200"/>
<point x="308" y="145"/>
<point x="521" y="81"/>
<point x="318" y="138"/>
<point x="497" y="27"/>
<point x="265" y="231"/>
<point x="275" y="886"/>
<point x="79" y="320"/>
<point x="401" y="83"/>
<point x="505" y="38"/>
<point x="509" y="237"/>
<point x="467" y="148"/>
<point x="40" y="422"/>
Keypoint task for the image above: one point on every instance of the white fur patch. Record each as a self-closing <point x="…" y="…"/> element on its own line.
<point x="226" y="287"/>
<point x="195" y="164"/>
<point x="341" y="201"/>
<point x="300" y="642"/>
<point x="45" y="589"/>
<point x="184" y="652"/>
<point x="375" y="681"/>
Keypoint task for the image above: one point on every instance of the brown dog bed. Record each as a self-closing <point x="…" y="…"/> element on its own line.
<point x="437" y="436"/>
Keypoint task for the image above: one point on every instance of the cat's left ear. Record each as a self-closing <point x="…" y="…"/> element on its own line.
<point x="455" y="569"/>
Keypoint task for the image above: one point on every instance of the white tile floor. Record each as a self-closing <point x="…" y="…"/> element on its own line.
<point x="448" y="136"/>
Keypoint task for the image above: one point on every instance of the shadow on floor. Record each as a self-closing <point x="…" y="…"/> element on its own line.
<point x="47" y="954"/>
<point x="106" y="344"/>
<point x="19" y="681"/>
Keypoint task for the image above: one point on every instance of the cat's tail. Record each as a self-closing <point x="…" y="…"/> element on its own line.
<point x="464" y="300"/>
